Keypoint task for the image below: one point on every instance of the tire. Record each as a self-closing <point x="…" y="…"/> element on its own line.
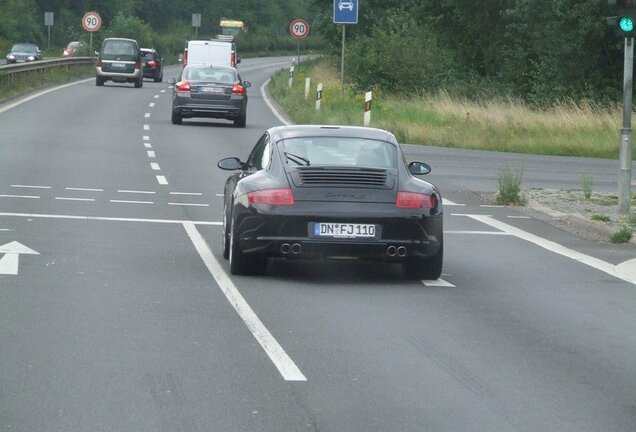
<point x="424" y="268"/>
<point x="99" y="81"/>
<point x="139" y="83"/>
<point x="159" y="77"/>
<point x="176" y="118"/>
<point x="243" y="264"/>
<point x="241" y="121"/>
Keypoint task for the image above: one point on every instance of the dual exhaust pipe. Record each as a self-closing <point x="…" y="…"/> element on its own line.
<point x="294" y="249"/>
<point x="400" y="251"/>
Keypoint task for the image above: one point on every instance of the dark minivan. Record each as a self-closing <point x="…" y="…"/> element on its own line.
<point x="119" y="60"/>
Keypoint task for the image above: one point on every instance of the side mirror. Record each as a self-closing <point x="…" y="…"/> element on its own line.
<point x="230" y="164"/>
<point x="247" y="84"/>
<point x="172" y="81"/>
<point x="419" y="168"/>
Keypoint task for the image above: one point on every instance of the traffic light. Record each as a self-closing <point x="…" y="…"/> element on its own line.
<point x="624" y="16"/>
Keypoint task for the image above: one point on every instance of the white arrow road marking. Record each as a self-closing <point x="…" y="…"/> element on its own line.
<point x="627" y="270"/>
<point x="437" y="283"/>
<point x="12" y="251"/>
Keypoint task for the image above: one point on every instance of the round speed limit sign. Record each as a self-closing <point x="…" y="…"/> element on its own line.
<point x="299" y="28"/>
<point x="91" y="21"/>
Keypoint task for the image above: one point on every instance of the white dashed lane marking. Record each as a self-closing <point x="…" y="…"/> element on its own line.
<point x="147" y="145"/>
<point x="438" y="283"/>
<point x="155" y="166"/>
<point x="30" y="187"/>
<point x="136" y="191"/>
<point x="151" y="153"/>
<point x="162" y="180"/>
<point x="189" y="204"/>
<point x="186" y="193"/>
<point x="146" y="138"/>
<point x="151" y="104"/>
<point x="131" y="202"/>
<point x="147" y="115"/>
<point x="20" y="196"/>
<point x="75" y="199"/>
<point x="84" y="189"/>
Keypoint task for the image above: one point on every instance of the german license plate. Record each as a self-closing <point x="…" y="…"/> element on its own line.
<point x="344" y="230"/>
<point x="212" y="89"/>
<point x="119" y="65"/>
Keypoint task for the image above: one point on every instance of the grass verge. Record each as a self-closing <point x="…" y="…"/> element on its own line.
<point x="25" y="83"/>
<point x="501" y="125"/>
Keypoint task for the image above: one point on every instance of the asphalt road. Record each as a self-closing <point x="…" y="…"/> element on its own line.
<point x="126" y="319"/>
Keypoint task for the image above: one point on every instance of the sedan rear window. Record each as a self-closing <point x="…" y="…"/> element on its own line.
<point x="210" y="74"/>
<point x="338" y="151"/>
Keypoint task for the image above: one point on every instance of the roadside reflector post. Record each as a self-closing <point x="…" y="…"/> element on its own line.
<point x="368" y="98"/>
<point x="291" y="76"/>
<point x="307" y="86"/>
<point x="318" y="95"/>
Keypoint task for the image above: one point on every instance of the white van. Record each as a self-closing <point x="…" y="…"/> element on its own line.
<point x="212" y="52"/>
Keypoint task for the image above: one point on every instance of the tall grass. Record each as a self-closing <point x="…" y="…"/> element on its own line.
<point x="570" y="129"/>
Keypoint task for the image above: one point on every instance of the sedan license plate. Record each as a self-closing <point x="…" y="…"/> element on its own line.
<point x="344" y="230"/>
<point x="212" y="89"/>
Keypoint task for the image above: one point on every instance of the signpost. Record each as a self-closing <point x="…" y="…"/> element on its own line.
<point x="48" y="21"/>
<point x="91" y="21"/>
<point x="344" y="12"/>
<point x="299" y="29"/>
<point x="196" y="23"/>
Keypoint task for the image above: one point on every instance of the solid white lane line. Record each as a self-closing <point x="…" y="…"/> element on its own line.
<point x="151" y="104"/>
<point x="478" y="232"/>
<point x="189" y="204"/>
<point x="146" y="127"/>
<point x="131" y="202"/>
<point x="30" y="187"/>
<point x="74" y="199"/>
<point x="155" y="166"/>
<point x="270" y="345"/>
<point x="448" y="202"/>
<point x="162" y="180"/>
<point x="146" y="138"/>
<point x="84" y="189"/>
<point x="147" y="145"/>
<point x="135" y="191"/>
<point x="437" y="283"/>
<point x="518" y="217"/>
<point x="593" y="262"/>
<point x="271" y="106"/>
<point x="20" y="196"/>
<point x="186" y="193"/>
<point x="491" y="206"/>
<point x="107" y="219"/>
<point x="147" y="115"/>
<point x="151" y="153"/>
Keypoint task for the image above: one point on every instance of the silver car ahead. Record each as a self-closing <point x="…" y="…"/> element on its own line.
<point x="210" y="91"/>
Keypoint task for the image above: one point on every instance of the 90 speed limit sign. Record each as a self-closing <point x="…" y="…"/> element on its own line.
<point x="91" y="21"/>
<point x="299" y="28"/>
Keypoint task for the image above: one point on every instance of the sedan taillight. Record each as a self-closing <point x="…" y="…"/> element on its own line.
<point x="276" y="197"/>
<point x="152" y="63"/>
<point x="415" y="200"/>
<point x="238" y="89"/>
<point x="183" y="87"/>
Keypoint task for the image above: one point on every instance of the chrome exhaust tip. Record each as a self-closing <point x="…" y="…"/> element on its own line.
<point x="401" y="251"/>
<point x="285" y="248"/>
<point x="391" y="250"/>
<point x="296" y="248"/>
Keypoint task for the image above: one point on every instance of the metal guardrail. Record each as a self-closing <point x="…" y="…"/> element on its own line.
<point x="9" y="72"/>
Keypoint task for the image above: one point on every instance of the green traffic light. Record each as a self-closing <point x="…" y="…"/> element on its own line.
<point x="626" y="24"/>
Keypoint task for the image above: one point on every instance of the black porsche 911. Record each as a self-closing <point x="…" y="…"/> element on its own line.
<point x="314" y="192"/>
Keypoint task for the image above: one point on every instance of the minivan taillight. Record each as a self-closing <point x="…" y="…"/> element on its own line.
<point x="99" y="63"/>
<point x="275" y="197"/>
<point x="137" y="65"/>
<point x="414" y="200"/>
<point x="183" y="87"/>
<point x="238" y="89"/>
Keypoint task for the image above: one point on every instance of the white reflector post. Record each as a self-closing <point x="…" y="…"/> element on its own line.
<point x="367" y="108"/>
<point x="291" y="76"/>
<point x="318" y="95"/>
<point x="307" y="86"/>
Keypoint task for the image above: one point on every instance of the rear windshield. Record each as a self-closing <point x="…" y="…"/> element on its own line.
<point x="119" y="50"/>
<point x="210" y="74"/>
<point x="147" y="55"/>
<point x="338" y="151"/>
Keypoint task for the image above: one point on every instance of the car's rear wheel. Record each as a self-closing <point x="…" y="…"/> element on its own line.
<point x="176" y="118"/>
<point x="244" y="264"/>
<point x="139" y="83"/>
<point x="424" y="268"/>
<point x="158" y="76"/>
<point x="241" y="121"/>
<point x="99" y="81"/>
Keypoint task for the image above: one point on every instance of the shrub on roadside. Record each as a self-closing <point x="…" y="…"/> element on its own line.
<point x="600" y="217"/>
<point x="622" y="236"/>
<point x="587" y="183"/>
<point x="509" y="186"/>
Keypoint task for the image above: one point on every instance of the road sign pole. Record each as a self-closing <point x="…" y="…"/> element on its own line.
<point x="342" y="62"/>
<point x="298" y="61"/>
<point x="625" y="149"/>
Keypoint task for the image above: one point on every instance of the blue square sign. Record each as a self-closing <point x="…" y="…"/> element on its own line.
<point x="345" y="11"/>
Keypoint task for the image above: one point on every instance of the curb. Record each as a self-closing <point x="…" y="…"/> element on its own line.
<point x="577" y="222"/>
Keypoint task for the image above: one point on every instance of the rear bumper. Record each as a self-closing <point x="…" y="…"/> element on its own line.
<point x="118" y="77"/>
<point x="208" y="110"/>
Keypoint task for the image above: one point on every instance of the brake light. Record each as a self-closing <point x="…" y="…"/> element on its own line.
<point x="415" y="200"/>
<point x="280" y="197"/>
<point x="185" y="57"/>
<point x="137" y="65"/>
<point x="233" y="59"/>
<point x="238" y="89"/>
<point x="152" y="63"/>
<point x="183" y="87"/>
<point x="99" y="63"/>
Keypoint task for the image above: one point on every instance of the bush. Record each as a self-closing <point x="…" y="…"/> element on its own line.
<point x="587" y="182"/>
<point x="509" y="186"/>
<point x="622" y="236"/>
<point x="600" y="218"/>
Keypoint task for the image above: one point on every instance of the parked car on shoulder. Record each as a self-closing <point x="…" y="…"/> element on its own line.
<point x="210" y="91"/>
<point x="24" y="52"/>
<point x="75" y="49"/>
<point x="119" y="60"/>
<point x="152" y="64"/>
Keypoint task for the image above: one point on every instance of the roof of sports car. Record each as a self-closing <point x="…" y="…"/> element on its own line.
<point x="295" y="131"/>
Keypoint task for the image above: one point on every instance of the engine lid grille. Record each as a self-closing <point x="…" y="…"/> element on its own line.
<point x="369" y="177"/>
